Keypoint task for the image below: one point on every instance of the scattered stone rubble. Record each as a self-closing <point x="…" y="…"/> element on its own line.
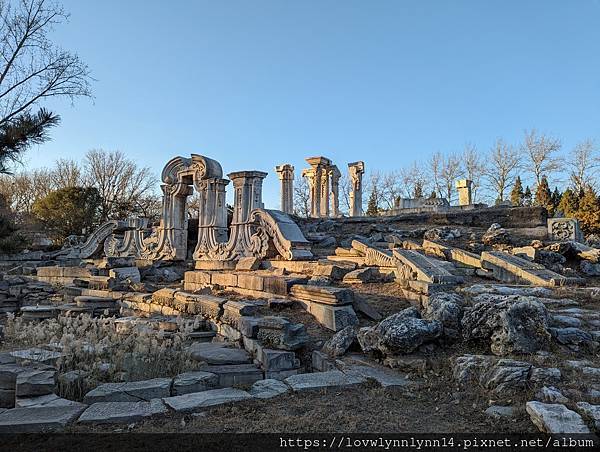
<point x="518" y="306"/>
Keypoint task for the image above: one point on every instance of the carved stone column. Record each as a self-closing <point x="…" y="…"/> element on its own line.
<point x="247" y="187"/>
<point x="356" y="171"/>
<point x="286" y="176"/>
<point x="334" y="174"/>
<point x="318" y="180"/>
<point x="464" y="187"/>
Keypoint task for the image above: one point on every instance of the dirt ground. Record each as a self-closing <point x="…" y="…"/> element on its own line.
<point x="433" y="408"/>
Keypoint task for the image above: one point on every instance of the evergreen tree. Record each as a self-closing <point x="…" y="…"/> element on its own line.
<point x="516" y="195"/>
<point x="556" y="195"/>
<point x="569" y="204"/>
<point x="372" y="209"/>
<point x="543" y="196"/>
<point x="588" y="212"/>
<point x="527" y="196"/>
<point x="433" y="195"/>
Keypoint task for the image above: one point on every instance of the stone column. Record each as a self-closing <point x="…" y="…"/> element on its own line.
<point x="286" y="176"/>
<point x="464" y="187"/>
<point x="356" y="171"/>
<point x="334" y="174"/>
<point x="248" y="194"/>
<point x="318" y="180"/>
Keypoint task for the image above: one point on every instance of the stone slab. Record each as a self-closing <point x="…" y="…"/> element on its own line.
<point x="321" y="380"/>
<point x="198" y="400"/>
<point x="235" y="374"/>
<point x="555" y="418"/>
<point x="194" y="381"/>
<point x="267" y="389"/>
<point x="29" y="420"/>
<point x="219" y="354"/>
<point x="133" y="391"/>
<point x="121" y="412"/>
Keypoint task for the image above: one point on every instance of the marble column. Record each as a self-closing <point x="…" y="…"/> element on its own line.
<point x="286" y="176"/>
<point x="356" y="171"/>
<point x="248" y="194"/>
<point x="317" y="177"/>
<point x="334" y="175"/>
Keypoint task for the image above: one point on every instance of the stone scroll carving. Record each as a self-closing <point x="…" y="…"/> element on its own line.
<point x="254" y="231"/>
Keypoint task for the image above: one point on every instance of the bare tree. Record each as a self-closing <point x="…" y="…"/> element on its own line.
<point x="67" y="173"/>
<point x="345" y="187"/>
<point x="302" y="198"/>
<point x="34" y="69"/>
<point x="414" y="181"/>
<point x="504" y="160"/>
<point x="584" y="165"/>
<point x="21" y="190"/>
<point x="389" y="189"/>
<point x="540" y="153"/>
<point x="450" y="171"/>
<point x="474" y="167"/>
<point x="121" y="183"/>
<point x="435" y="168"/>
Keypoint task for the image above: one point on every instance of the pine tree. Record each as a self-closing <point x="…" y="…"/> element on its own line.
<point x="372" y="209"/>
<point x="588" y="212"/>
<point x="543" y="196"/>
<point x="569" y="204"/>
<point x="556" y="195"/>
<point x="527" y="196"/>
<point x="516" y="195"/>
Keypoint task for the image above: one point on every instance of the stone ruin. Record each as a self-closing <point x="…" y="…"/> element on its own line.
<point x="503" y="297"/>
<point x="255" y="231"/>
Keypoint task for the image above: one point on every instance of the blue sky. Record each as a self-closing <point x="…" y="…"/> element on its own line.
<point x="257" y="83"/>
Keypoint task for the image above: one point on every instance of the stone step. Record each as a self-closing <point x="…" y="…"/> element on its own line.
<point x="219" y="353"/>
<point x="322" y="380"/>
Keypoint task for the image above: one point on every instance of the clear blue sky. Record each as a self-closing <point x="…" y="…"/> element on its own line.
<point x="256" y="83"/>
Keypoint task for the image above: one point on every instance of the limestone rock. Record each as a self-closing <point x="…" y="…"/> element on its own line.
<point x="121" y="412"/>
<point x="402" y="332"/>
<point x="555" y="418"/>
<point x="506" y="375"/>
<point x="589" y="269"/>
<point x="340" y="342"/>
<point x="500" y="412"/>
<point x="443" y="233"/>
<point x="551" y="395"/>
<point x="496" y="235"/>
<point x="446" y="308"/>
<point x="572" y="336"/>
<point x="591" y="412"/>
<point x="511" y="326"/>
<point x="266" y="389"/>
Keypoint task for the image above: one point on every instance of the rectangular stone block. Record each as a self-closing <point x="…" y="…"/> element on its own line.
<point x="281" y="285"/>
<point x="33" y="383"/>
<point x="197" y="277"/>
<point x="196" y="401"/>
<point x="250" y="281"/>
<point x="235" y="374"/>
<point x="333" y="317"/>
<point x="225" y="279"/>
<point x="40" y="419"/>
<point x="275" y="360"/>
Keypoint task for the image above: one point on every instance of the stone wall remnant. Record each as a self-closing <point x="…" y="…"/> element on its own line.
<point x="564" y="229"/>
<point x="464" y="188"/>
<point x="323" y="182"/>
